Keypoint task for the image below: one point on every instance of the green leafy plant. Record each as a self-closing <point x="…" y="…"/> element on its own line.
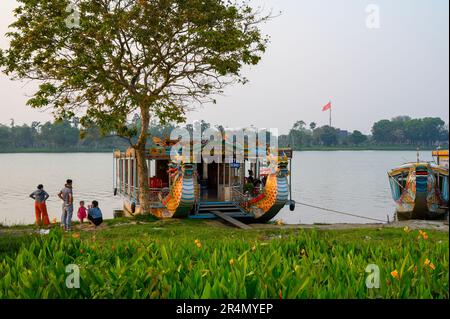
<point x="187" y="259"/>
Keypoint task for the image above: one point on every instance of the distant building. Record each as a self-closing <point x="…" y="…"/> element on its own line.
<point x="342" y="135"/>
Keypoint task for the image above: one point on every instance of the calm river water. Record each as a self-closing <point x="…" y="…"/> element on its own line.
<point x="350" y="181"/>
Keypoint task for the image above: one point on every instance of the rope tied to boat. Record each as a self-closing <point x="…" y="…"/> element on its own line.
<point x="339" y="212"/>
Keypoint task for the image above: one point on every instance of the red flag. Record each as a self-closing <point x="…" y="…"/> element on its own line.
<point x="326" y="107"/>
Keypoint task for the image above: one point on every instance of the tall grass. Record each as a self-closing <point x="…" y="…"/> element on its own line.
<point x="191" y="261"/>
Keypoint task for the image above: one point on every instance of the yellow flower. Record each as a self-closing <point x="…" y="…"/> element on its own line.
<point x="427" y="262"/>
<point x="196" y="241"/>
<point x="199" y="245"/>
<point x="254" y="248"/>
<point x="279" y="222"/>
<point x="231" y="261"/>
<point x="422" y="234"/>
<point x="394" y="274"/>
<point x="432" y="266"/>
<point x="406" y="229"/>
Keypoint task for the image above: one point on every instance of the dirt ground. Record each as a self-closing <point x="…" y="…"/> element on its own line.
<point x="412" y="224"/>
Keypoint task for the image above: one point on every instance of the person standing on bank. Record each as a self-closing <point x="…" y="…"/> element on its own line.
<point x="40" y="197"/>
<point x="66" y="195"/>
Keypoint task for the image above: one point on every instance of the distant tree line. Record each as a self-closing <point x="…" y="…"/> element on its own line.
<point x="401" y="130"/>
<point x="66" y="136"/>
<point x="50" y="136"/>
<point x="70" y="136"/>
<point x="427" y="131"/>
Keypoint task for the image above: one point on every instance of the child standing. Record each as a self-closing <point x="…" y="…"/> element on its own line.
<point x="82" y="212"/>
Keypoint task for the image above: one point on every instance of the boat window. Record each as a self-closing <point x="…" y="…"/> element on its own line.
<point x="401" y="179"/>
<point x="440" y="182"/>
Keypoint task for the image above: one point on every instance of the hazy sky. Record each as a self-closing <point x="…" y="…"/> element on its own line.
<point x="320" y="50"/>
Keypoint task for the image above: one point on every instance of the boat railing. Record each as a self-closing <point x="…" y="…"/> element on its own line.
<point x="128" y="190"/>
<point x="239" y="198"/>
<point x="156" y="194"/>
<point x="132" y="192"/>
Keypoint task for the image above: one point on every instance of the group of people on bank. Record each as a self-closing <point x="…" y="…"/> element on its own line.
<point x="92" y="213"/>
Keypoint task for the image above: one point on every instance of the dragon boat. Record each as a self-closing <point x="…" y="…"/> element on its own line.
<point x="180" y="189"/>
<point x="420" y="189"/>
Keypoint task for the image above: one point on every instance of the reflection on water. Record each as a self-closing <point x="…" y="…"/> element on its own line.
<point x="350" y="181"/>
<point x="21" y="173"/>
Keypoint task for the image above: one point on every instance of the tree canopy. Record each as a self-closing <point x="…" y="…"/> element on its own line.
<point x="152" y="57"/>
<point x="400" y="130"/>
<point x="404" y="130"/>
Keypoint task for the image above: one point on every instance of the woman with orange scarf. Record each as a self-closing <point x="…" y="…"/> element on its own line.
<point x="40" y="196"/>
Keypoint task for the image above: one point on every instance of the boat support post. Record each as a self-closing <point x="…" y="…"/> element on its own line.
<point x="291" y="202"/>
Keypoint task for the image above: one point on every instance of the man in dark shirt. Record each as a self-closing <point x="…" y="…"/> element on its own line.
<point x="40" y="196"/>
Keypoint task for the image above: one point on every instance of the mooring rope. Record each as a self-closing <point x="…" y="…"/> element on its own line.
<point x="339" y="212"/>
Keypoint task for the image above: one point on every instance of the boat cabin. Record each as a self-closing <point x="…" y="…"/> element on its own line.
<point x="229" y="185"/>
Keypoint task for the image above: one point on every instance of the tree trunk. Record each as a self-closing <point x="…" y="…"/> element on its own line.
<point x="142" y="168"/>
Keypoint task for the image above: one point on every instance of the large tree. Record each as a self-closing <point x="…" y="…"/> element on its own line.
<point x="153" y="57"/>
<point x="326" y="135"/>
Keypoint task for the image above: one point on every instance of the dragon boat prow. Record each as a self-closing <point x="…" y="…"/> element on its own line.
<point x="420" y="190"/>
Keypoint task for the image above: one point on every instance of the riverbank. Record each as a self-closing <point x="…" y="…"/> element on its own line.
<point x="301" y="149"/>
<point x="55" y="151"/>
<point x="365" y="148"/>
<point x="147" y="258"/>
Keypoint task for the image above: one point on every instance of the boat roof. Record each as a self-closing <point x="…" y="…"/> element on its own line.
<point x="440" y="153"/>
<point x="163" y="153"/>
<point x="413" y="165"/>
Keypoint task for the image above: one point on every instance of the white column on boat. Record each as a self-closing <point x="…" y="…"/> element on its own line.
<point x="129" y="176"/>
<point x="125" y="175"/>
<point x="117" y="173"/>
<point x="124" y="180"/>
<point x="119" y="167"/>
